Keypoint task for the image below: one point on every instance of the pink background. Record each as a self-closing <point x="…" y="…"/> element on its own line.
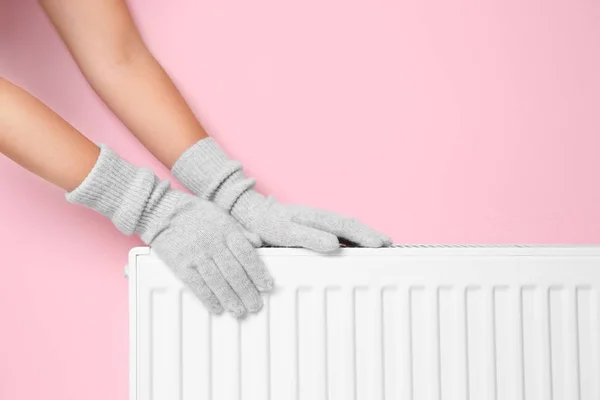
<point x="449" y="122"/>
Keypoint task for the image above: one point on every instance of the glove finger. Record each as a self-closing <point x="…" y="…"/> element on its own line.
<point x="219" y="286"/>
<point x="250" y="261"/>
<point x="252" y="237"/>
<point x="341" y="226"/>
<point x="387" y="241"/>
<point x="238" y="280"/>
<point x="295" y="235"/>
<point x="193" y="280"/>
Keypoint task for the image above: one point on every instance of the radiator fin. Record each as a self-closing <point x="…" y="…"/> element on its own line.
<point x="378" y="343"/>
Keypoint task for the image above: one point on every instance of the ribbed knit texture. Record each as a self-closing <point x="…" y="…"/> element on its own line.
<point x="207" y="171"/>
<point x="204" y="169"/>
<point x="203" y="245"/>
<point x="133" y="198"/>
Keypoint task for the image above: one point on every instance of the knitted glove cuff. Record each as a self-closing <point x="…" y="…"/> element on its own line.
<point x="208" y="172"/>
<point x="133" y="198"/>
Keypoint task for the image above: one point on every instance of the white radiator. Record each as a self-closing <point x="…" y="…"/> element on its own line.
<point x="403" y="323"/>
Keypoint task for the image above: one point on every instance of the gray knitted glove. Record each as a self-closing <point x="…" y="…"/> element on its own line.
<point x="203" y="245"/>
<point x="207" y="171"/>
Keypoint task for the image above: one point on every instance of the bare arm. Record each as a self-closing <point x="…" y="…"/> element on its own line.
<point x="39" y="140"/>
<point x="107" y="46"/>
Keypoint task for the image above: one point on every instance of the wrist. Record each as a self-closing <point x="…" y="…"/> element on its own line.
<point x="247" y="207"/>
<point x="133" y="198"/>
<point x="208" y="172"/>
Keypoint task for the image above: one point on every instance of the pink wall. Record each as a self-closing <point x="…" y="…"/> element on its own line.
<point x="435" y="121"/>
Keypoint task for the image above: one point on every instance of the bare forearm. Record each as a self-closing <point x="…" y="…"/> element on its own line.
<point x="111" y="54"/>
<point x="39" y="140"/>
